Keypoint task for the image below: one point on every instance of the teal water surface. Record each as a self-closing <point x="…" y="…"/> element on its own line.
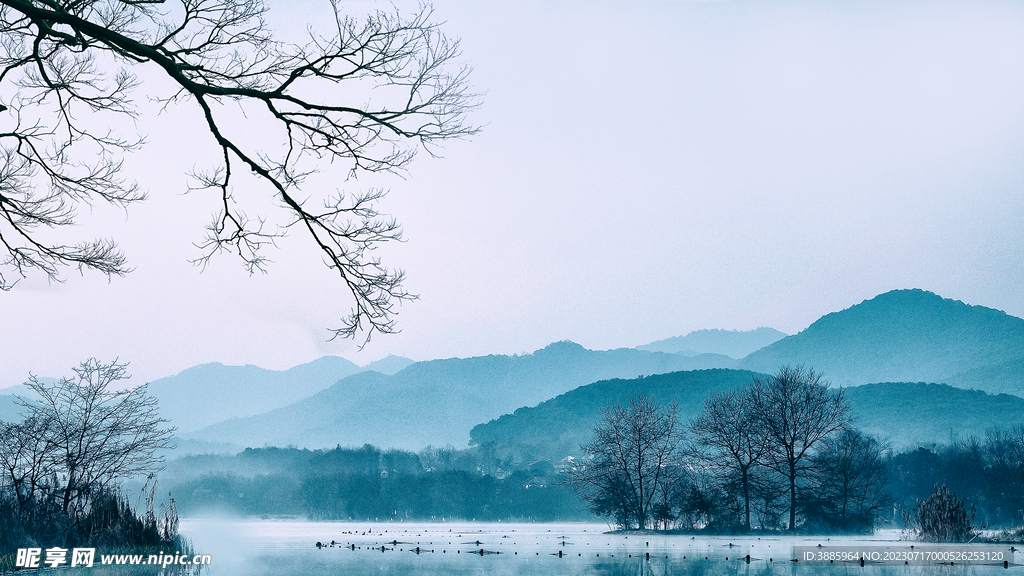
<point x="280" y="548"/>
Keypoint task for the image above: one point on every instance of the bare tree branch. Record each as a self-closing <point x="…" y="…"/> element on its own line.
<point x="728" y="439"/>
<point x="69" y="59"/>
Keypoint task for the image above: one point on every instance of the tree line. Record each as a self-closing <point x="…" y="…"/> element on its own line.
<point x="782" y="453"/>
<point x="725" y="470"/>
<point x="369" y="482"/>
<point x="987" y="472"/>
<point x="387" y="484"/>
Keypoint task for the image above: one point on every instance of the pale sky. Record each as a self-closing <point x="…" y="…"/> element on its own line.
<point x="646" y="169"/>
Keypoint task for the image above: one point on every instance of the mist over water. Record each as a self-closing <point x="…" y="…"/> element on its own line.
<point x="280" y="548"/>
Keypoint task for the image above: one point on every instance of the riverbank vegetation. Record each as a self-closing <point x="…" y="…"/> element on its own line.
<point x="62" y="466"/>
<point x="764" y="455"/>
<point x="370" y="483"/>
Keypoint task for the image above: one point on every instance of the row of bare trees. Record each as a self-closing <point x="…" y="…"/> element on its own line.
<point x="79" y="438"/>
<point x="781" y="445"/>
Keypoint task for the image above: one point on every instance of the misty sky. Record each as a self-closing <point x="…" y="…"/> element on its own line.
<point x="646" y="169"/>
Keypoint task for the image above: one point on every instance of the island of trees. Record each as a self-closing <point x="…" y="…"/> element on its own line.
<point x="782" y="454"/>
<point x="756" y="456"/>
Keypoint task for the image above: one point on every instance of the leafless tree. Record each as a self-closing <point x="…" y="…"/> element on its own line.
<point x="96" y="436"/>
<point x="69" y="68"/>
<point x="769" y="503"/>
<point x="25" y="461"/>
<point x="1004" y="462"/>
<point x="728" y="439"/>
<point x="701" y="500"/>
<point x="1004" y="447"/>
<point x="797" y="411"/>
<point x="635" y="455"/>
<point x="850" y="480"/>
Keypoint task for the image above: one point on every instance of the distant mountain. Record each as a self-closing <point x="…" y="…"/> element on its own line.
<point x="901" y="336"/>
<point x="210" y="393"/>
<point x="24" y="391"/>
<point x="732" y="343"/>
<point x="905" y="414"/>
<point x="439" y="401"/>
<point x="9" y="411"/>
<point x="919" y="414"/>
<point x="390" y="365"/>
<point x="1007" y="378"/>
<point x="19" y="389"/>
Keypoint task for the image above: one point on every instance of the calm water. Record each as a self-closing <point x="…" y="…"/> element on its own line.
<point x="273" y="548"/>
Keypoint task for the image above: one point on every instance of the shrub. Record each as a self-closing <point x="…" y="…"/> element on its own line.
<point x="942" y="518"/>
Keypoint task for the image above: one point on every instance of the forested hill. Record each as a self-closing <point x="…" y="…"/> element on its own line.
<point x="905" y="414"/>
<point x="912" y="414"/>
<point x="1006" y="377"/>
<point x="904" y="336"/>
<point x="439" y="401"/>
<point x="559" y="426"/>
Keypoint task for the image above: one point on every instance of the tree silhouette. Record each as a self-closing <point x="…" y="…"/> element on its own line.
<point x="25" y="460"/>
<point x="942" y="517"/>
<point x="72" y="67"/>
<point x="729" y="440"/>
<point x="634" y="458"/>
<point x="797" y="410"/>
<point x="849" y="481"/>
<point x="94" y="436"/>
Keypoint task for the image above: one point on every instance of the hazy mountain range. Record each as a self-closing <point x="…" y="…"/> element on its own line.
<point x="209" y="393"/>
<point x="439" y="401"/>
<point x="732" y="343"/>
<point x="901" y="336"/>
<point x="905" y="335"/>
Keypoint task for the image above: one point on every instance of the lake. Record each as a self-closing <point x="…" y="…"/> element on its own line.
<point x="278" y="548"/>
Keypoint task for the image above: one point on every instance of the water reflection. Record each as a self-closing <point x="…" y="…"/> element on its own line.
<point x="289" y="548"/>
<point x="138" y="571"/>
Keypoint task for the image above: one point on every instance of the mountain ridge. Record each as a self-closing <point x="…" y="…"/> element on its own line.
<point x="901" y="335"/>
<point x="439" y="401"/>
<point x="733" y="343"/>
